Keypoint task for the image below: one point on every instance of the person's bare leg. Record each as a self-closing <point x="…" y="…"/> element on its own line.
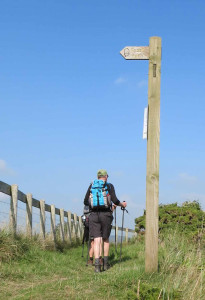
<point x="97" y="247"/>
<point x="106" y="247"/>
<point x="106" y="253"/>
<point x="91" y="252"/>
<point x="101" y="252"/>
<point x="101" y="245"/>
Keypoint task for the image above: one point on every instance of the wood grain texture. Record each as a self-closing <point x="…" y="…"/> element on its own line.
<point x="29" y="215"/>
<point x="126" y="235"/>
<point x="42" y="220"/>
<point x="62" y="230"/>
<point x="117" y="229"/>
<point x="75" y="228"/>
<point x="152" y="178"/>
<point x="53" y="224"/>
<point x="69" y="229"/>
<point x="13" y="208"/>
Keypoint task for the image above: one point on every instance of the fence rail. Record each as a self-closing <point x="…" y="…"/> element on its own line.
<point x="70" y="230"/>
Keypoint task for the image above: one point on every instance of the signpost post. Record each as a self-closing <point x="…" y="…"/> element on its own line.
<point x="153" y="54"/>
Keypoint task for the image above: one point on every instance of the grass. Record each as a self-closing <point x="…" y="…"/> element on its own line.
<point x="30" y="272"/>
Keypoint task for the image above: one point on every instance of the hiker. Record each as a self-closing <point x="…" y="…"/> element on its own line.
<point x="88" y="239"/>
<point x="91" y="250"/>
<point x="99" y="196"/>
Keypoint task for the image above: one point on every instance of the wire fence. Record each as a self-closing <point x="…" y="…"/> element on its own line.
<point x="22" y="213"/>
<point x="4" y="210"/>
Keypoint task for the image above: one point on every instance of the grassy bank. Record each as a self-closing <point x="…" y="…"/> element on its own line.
<point x="29" y="272"/>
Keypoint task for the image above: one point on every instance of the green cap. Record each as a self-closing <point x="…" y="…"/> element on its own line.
<point x="101" y="172"/>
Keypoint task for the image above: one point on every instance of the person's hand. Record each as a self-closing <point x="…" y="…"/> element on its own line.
<point x="124" y="204"/>
<point x="114" y="206"/>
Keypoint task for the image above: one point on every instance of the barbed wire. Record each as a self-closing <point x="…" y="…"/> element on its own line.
<point x="4" y="202"/>
<point x="21" y="208"/>
<point x="33" y="213"/>
<point x="4" y="213"/>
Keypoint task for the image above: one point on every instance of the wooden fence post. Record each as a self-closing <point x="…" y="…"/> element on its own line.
<point x="116" y="235"/>
<point x="42" y="220"/>
<point x="126" y="235"/>
<point x="13" y="208"/>
<point x="75" y="227"/>
<point x="53" y="224"/>
<point x="80" y="227"/>
<point x="62" y="224"/>
<point x="29" y="215"/>
<point x="69" y="228"/>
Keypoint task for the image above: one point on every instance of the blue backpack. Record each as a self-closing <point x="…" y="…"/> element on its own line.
<point x="99" y="198"/>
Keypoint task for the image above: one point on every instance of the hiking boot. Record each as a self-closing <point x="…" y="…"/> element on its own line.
<point x="97" y="268"/>
<point x="106" y="267"/>
<point x="90" y="262"/>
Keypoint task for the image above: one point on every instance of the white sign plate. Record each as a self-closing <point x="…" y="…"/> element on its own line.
<point x="145" y="125"/>
<point x="135" y="52"/>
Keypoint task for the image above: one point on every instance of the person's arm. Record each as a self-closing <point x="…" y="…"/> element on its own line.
<point x="114" y="197"/>
<point x="86" y="202"/>
<point x="113" y="207"/>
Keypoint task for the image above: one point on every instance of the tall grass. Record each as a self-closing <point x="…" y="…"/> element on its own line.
<point x="31" y="271"/>
<point x="181" y="264"/>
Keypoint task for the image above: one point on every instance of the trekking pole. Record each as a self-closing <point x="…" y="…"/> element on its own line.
<point x="88" y="250"/>
<point x="115" y="233"/>
<point x="83" y="243"/>
<point x="123" y="209"/>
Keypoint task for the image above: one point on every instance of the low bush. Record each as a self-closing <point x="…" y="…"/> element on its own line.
<point x="187" y="218"/>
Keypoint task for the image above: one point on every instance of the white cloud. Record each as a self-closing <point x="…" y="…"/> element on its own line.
<point x="4" y="169"/>
<point x="120" y="80"/>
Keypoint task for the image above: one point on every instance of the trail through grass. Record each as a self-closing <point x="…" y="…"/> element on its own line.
<point x="40" y="274"/>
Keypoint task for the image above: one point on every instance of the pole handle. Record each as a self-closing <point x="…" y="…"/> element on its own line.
<point x="123" y="208"/>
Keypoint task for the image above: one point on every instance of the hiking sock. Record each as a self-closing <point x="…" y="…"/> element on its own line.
<point x="97" y="265"/>
<point x="106" y="265"/>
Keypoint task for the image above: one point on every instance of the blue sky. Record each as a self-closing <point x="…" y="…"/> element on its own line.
<point x="70" y="104"/>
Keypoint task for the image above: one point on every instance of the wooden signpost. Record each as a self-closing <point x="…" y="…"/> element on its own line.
<point x="153" y="54"/>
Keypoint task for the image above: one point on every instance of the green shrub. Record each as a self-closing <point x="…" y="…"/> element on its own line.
<point x="187" y="218"/>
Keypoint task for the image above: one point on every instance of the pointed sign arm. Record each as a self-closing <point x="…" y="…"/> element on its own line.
<point x="135" y="52"/>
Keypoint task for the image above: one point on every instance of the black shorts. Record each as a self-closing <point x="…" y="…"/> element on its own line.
<point x="100" y="224"/>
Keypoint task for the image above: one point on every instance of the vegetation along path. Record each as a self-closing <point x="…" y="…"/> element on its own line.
<point x="28" y="272"/>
